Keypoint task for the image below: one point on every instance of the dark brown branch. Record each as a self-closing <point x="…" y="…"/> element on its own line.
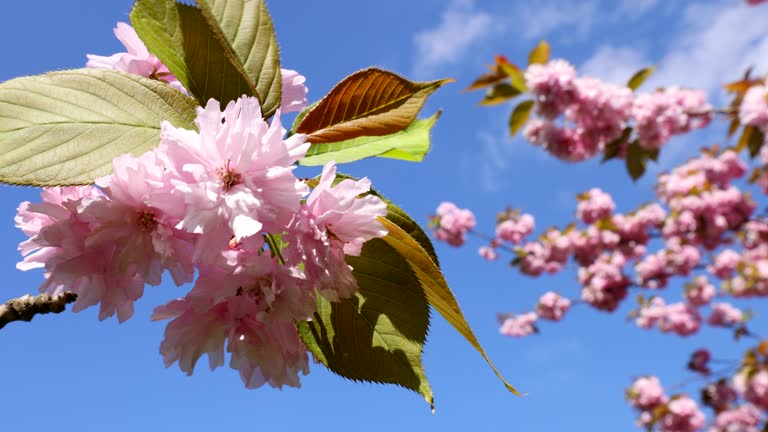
<point x="25" y="308"/>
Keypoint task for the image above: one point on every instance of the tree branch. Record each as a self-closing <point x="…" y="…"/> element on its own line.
<point x="25" y="308"/>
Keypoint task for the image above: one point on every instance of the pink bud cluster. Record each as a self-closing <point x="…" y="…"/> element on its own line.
<point x="451" y="223"/>
<point x="216" y="202"/>
<point x="667" y="112"/>
<point x="678" y="413"/>
<point x="705" y="203"/>
<point x="753" y="385"/>
<point x="595" y="113"/>
<point x="551" y="307"/>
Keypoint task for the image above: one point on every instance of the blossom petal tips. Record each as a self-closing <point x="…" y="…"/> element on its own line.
<point x="236" y="172"/>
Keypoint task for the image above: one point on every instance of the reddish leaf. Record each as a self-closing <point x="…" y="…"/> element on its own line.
<point x="371" y="102"/>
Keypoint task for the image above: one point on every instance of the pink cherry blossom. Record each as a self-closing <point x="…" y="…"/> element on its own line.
<point x="235" y="175"/>
<point x="294" y="92"/>
<point x="651" y="313"/>
<point x="680" y="318"/>
<point x="594" y="205"/>
<point x="683" y="415"/>
<point x="753" y="110"/>
<point x="552" y="306"/>
<point x="57" y="243"/>
<point x="667" y="112"/>
<point x="333" y="222"/>
<point x="248" y="303"/>
<point x="646" y="393"/>
<point x="452" y="223"/>
<point x="519" y="325"/>
<point x="488" y="253"/>
<point x="745" y="418"/>
<point x="724" y="264"/>
<point x="754" y="387"/>
<point x="564" y="143"/>
<point x="699" y="291"/>
<point x="146" y="239"/>
<point x="136" y="61"/>
<point x="605" y="284"/>
<point x="553" y="86"/>
<point x="724" y="315"/>
<point x="515" y="229"/>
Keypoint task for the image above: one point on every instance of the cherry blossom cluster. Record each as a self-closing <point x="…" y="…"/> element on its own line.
<point x="220" y="207"/>
<point x="703" y="228"/>
<point x="738" y="403"/>
<point x="579" y="116"/>
<point x="699" y="210"/>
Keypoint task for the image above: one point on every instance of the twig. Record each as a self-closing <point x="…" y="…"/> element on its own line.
<point x="25" y="308"/>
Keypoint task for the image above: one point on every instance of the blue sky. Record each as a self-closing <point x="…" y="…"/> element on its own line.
<point x="72" y="372"/>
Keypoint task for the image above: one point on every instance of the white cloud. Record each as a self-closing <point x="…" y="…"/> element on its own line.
<point x="461" y="26"/>
<point x="614" y="65"/>
<point x="717" y="43"/>
<point x="540" y="19"/>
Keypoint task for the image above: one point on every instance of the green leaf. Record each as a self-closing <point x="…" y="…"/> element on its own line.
<point x="378" y="334"/>
<point x="636" y="160"/>
<point x="193" y="50"/>
<point x="500" y="93"/>
<point x="516" y="77"/>
<point x="433" y="282"/>
<point x="639" y="78"/>
<point x="519" y="116"/>
<point x="248" y="28"/>
<point x="613" y="148"/>
<point x="411" y="144"/>
<point x="64" y="128"/>
<point x="752" y="138"/>
<point x="371" y="102"/>
<point x="539" y="54"/>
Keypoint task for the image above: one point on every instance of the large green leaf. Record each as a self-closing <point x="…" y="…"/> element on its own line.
<point x="411" y="143"/>
<point x="64" y="128"/>
<point x="433" y="282"/>
<point x="195" y="51"/>
<point x="248" y="28"/>
<point x="371" y="102"/>
<point x="378" y="334"/>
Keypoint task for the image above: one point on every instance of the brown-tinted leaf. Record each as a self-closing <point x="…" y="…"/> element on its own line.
<point x="487" y="79"/>
<point x="499" y="93"/>
<point x="740" y="86"/>
<point x="539" y="54"/>
<point x="519" y="116"/>
<point x="435" y="287"/>
<point x="752" y="138"/>
<point x="371" y="102"/>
